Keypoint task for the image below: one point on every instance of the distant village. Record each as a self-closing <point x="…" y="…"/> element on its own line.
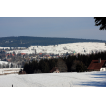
<point x="13" y="60"/>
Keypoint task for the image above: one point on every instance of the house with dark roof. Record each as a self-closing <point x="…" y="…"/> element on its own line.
<point x="54" y="70"/>
<point x="97" y="65"/>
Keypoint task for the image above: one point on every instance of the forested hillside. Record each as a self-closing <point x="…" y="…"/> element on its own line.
<point x="26" y="41"/>
<point x="77" y="63"/>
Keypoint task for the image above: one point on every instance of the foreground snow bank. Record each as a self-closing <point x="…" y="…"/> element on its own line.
<point x="86" y="79"/>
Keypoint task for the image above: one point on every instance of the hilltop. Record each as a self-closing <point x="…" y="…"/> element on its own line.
<point x="26" y="41"/>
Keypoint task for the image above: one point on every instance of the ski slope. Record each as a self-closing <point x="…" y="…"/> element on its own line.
<point x="82" y="48"/>
<point x="85" y="79"/>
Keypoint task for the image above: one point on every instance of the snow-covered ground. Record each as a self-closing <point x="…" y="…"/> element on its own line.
<point x="3" y="62"/>
<point x="4" y="48"/>
<point x="85" y="79"/>
<point x="82" y="48"/>
<point x="12" y="47"/>
<point x="28" y="51"/>
<point x="9" y="70"/>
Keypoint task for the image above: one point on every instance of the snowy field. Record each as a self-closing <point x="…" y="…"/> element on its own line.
<point x="85" y="79"/>
<point x="82" y="48"/>
<point x="9" y="70"/>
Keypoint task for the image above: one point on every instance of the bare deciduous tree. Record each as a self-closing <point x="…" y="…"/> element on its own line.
<point x="61" y="65"/>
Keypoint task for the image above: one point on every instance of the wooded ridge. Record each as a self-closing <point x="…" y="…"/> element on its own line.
<point x="26" y="41"/>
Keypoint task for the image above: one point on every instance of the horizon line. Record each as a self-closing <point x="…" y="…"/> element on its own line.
<point x="53" y="37"/>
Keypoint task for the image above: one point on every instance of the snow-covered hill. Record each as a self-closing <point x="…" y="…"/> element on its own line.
<point x="82" y="48"/>
<point x="85" y="79"/>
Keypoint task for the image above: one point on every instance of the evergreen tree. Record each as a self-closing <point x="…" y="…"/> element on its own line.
<point x="78" y="66"/>
<point x="52" y="63"/>
<point x="26" y="68"/>
<point x="81" y="67"/>
<point x="100" y="21"/>
<point x="46" y="68"/>
<point x="41" y="65"/>
<point x="69" y="62"/>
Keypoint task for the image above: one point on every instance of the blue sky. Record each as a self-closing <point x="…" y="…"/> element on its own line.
<point x="68" y="27"/>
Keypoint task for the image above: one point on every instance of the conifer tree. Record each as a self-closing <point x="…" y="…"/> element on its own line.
<point x="46" y="68"/>
<point x="81" y="67"/>
<point x="26" y="68"/>
<point x="100" y="21"/>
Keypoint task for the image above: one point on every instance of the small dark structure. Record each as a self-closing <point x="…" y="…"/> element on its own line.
<point x="54" y="70"/>
<point x="22" y="72"/>
<point x="12" y="85"/>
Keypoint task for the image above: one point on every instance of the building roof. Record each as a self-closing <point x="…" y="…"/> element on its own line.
<point x="40" y="53"/>
<point x="53" y="69"/>
<point x="96" y="65"/>
<point x="23" y="53"/>
<point x="56" y="71"/>
<point x="13" y="54"/>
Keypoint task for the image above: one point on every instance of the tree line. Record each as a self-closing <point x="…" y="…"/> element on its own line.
<point x="78" y="63"/>
<point x="26" y="41"/>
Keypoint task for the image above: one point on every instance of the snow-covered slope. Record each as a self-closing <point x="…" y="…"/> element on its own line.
<point x="3" y="62"/>
<point x="86" y="79"/>
<point x="28" y="51"/>
<point x="82" y="48"/>
<point x="9" y="70"/>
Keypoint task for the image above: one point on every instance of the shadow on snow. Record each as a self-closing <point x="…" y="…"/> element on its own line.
<point x="95" y="83"/>
<point x="101" y="83"/>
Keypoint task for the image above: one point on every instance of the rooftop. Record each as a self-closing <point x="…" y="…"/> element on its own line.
<point x="96" y="65"/>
